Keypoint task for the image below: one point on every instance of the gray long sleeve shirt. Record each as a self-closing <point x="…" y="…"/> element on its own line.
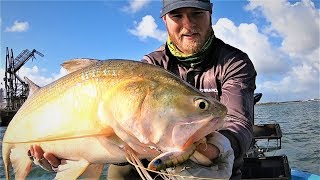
<point x="228" y="75"/>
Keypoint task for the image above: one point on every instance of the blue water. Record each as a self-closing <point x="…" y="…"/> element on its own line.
<point x="300" y="125"/>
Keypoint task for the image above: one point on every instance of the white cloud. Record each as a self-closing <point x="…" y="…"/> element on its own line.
<point x="299" y="80"/>
<point x="298" y="27"/>
<point x="136" y="5"/>
<point x="269" y="61"/>
<point x="35" y="74"/>
<point x="281" y="76"/>
<point x="297" y="24"/>
<point x="301" y="83"/>
<point x="18" y="27"/>
<point x="148" y="28"/>
<point x="246" y="37"/>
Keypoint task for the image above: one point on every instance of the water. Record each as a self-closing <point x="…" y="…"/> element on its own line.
<point x="300" y="125"/>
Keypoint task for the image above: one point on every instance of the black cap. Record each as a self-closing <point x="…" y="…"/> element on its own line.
<point x="169" y="5"/>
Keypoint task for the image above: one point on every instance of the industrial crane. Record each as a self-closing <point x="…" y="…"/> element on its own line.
<point x="16" y="89"/>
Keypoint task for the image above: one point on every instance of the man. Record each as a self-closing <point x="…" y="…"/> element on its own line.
<point x="215" y="68"/>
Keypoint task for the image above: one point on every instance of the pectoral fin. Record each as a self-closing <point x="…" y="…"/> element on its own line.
<point x="71" y="169"/>
<point x="21" y="163"/>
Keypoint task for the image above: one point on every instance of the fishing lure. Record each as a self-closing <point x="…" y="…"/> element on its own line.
<point x="171" y="158"/>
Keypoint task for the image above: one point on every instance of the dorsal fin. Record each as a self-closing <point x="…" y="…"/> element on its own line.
<point x="76" y="64"/>
<point x="32" y="86"/>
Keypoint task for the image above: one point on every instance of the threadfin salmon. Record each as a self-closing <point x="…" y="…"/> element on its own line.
<point x="103" y="110"/>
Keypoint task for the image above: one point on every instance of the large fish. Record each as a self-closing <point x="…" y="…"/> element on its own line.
<point x="103" y="111"/>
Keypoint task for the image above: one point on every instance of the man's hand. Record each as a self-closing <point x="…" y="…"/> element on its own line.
<point x="45" y="159"/>
<point x="210" y="151"/>
<point x="214" y="159"/>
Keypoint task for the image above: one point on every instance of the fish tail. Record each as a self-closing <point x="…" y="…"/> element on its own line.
<point x="6" y="148"/>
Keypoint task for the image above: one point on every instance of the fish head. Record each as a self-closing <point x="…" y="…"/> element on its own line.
<point x="174" y="115"/>
<point x="161" y="112"/>
<point x="184" y="118"/>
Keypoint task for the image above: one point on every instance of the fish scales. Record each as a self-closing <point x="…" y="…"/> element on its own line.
<point x="110" y="106"/>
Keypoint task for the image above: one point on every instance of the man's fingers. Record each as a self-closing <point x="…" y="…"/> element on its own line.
<point x="46" y="161"/>
<point x="37" y="152"/>
<point x="53" y="160"/>
<point x="208" y="150"/>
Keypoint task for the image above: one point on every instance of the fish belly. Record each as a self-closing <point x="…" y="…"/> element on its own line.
<point x="95" y="150"/>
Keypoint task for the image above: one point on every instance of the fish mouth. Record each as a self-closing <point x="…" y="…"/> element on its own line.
<point x="185" y="134"/>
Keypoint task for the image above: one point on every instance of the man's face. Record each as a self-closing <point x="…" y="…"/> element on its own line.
<point x="188" y="28"/>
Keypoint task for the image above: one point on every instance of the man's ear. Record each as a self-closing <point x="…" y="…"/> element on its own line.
<point x="164" y="18"/>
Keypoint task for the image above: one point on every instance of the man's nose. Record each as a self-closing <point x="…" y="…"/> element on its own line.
<point x="188" y="21"/>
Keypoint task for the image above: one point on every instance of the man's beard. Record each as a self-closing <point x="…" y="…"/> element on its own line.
<point x="192" y="47"/>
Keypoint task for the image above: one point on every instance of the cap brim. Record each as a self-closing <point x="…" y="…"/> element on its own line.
<point x="182" y="4"/>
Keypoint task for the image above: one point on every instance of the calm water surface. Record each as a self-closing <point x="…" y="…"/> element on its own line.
<point x="300" y="125"/>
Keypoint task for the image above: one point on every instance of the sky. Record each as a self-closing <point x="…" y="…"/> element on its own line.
<point x="281" y="37"/>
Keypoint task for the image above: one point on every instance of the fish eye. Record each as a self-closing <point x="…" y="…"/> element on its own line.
<point x="157" y="162"/>
<point x="202" y="104"/>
